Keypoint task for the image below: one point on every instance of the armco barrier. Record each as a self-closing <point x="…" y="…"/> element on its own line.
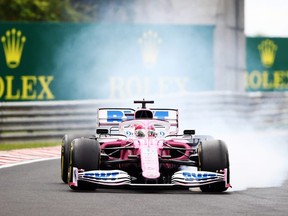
<point x="27" y="121"/>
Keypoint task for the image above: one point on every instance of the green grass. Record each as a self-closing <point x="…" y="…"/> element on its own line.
<point x="24" y="145"/>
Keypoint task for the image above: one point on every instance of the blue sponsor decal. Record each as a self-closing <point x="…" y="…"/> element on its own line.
<point x="102" y="175"/>
<point x="198" y="176"/>
<point x="161" y="114"/>
<point x="118" y="115"/>
<point x="128" y="133"/>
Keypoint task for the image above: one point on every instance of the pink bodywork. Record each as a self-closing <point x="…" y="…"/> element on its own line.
<point x="148" y="148"/>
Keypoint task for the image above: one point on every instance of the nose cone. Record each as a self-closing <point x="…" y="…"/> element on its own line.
<point x="151" y="174"/>
<point x="150" y="162"/>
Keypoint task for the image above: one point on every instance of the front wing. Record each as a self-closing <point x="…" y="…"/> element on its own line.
<point x="120" y="178"/>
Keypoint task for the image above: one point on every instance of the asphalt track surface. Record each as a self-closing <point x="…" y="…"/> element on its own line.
<point x="36" y="189"/>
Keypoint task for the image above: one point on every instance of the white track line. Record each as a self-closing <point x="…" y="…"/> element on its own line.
<point x="26" y="162"/>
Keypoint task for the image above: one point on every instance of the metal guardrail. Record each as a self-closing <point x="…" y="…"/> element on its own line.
<point x="27" y="121"/>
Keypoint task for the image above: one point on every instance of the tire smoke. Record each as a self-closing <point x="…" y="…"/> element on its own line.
<point x="258" y="156"/>
<point x="257" y="152"/>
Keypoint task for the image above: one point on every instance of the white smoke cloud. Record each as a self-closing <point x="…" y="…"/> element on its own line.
<point x="258" y="152"/>
<point x="257" y="159"/>
<point x="258" y="155"/>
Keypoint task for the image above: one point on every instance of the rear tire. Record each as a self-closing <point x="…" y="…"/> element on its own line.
<point x="65" y="149"/>
<point x="85" y="155"/>
<point x="213" y="156"/>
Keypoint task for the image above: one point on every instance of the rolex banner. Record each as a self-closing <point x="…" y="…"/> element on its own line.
<point x="267" y="64"/>
<point x="65" y="61"/>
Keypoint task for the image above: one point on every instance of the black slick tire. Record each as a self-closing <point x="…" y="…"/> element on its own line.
<point x="84" y="155"/>
<point x="213" y="156"/>
<point x="65" y="153"/>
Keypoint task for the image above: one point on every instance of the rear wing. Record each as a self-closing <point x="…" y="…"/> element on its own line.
<point x="111" y="117"/>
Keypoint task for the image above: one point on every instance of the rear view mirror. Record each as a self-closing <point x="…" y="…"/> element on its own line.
<point x="189" y="132"/>
<point x="102" y="131"/>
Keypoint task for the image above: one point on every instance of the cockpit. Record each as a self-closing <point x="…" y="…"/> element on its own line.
<point x="145" y="128"/>
<point x="141" y="131"/>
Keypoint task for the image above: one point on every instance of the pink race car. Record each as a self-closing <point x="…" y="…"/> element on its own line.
<point x="143" y="148"/>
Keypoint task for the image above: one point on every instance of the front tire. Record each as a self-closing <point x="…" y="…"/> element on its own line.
<point x="65" y="152"/>
<point x="84" y="155"/>
<point x="213" y="156"/>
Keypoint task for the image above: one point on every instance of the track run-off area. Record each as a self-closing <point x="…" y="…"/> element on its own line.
<point x="37" y="189"/>
<point x="23" y="156"/>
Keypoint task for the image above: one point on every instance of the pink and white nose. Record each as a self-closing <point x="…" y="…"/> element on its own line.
<point x="150" y="163"/>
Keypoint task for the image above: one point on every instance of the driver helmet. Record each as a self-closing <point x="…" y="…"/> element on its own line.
<point x="151" y="131"/>
<point x="139" y="131"/>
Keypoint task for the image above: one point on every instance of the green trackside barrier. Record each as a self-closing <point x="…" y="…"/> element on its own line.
<point x="267" y="64"/>
<point x="65" y="61"/>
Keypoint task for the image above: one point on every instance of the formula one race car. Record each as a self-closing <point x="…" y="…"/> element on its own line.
<point x="143" y="148"/>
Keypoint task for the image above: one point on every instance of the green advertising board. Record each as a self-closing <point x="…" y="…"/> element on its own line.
<point x="65" y="61"/>
<point x="267" y="64"/>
